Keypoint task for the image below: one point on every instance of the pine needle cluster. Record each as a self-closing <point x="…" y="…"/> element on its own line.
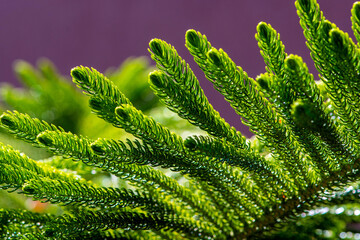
<point x="301" y="166"/>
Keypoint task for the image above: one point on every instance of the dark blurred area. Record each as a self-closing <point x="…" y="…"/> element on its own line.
<point x="104" y="34"/>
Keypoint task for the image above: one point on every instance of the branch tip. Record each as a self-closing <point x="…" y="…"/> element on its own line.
<point x="156" y="47"/>
<point x="7" y="121"/>
<point x="192" y="38"/>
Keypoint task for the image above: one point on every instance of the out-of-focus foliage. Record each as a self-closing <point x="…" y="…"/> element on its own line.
<point x="50" y="96"/>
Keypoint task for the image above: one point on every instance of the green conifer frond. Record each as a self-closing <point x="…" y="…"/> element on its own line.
<point x="150" y="132"/>
<point x="308" y="97"/>
<point x="210" y="61"/>
<point x="24" y="127"/>
<point x="239" y="90"/>
<point x="300" y="171"/>
<point x="272" y="50"/>
<point x="79" y="148"/>
<point x="336" y="58"/>
<point x="179" y="89"/>
<point x="104" y="94"/>
<point x="58" y="191"/>
<point x="14" y="177"/>
<point x="66" y="143"/>
<point x="95" y="83"/>
<point x="147" y="129"/>
<point x="90" y="221"/>
<point x="122" y="234"/>
<point x="220" y="150"/>
<point x="23" y="222"/>
<point x="142" y="154"/>
<point x="17" y="160"/>
<point x="355" y="19"/>
<point x="131" y="151"/>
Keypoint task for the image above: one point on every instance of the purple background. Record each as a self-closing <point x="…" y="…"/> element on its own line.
<point x="102" y="34"/>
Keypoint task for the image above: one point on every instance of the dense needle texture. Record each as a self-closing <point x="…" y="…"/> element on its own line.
<point x="297" y="178"/>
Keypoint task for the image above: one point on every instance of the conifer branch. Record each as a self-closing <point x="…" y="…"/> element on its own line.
<point x="239" y="90"/>
<point x="96" y="84"/>
<point x="76" y="147"/>
<point x="14" y="177"/>
<point x="355" y="20"/>
<point x="299" y="84"/>
<point x="24" y="127"/>
<point x="15" y="159"/>
<point x="220" y="150"/>
<point x="313" y="116"/>
<point x="112" y="234"/>
<point x="58" y="191"/>
<point x="131" y="151"/>
<point x="229" y="80"/>
<point x="142" y="154"/>
<point x="25" y="221"/>
<point x="272" y="50"/>
<point x="136" y="123"/>
<point x="154" y="134"/>
<point x="337" y="71"/>
<point x="79" y="148"/>
<point x="115" y="151"/>
<point x="104" y="95"/>
<point x="91" y="221"/>
<point x="145" y="128"/>
<point x="179" y="89"/>
<point x="216" y="186"/>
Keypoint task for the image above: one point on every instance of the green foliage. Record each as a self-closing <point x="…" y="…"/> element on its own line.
<point x="143" y="174"/>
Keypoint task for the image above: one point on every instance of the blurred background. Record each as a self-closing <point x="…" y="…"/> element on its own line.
<point x="103" y="35"/>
